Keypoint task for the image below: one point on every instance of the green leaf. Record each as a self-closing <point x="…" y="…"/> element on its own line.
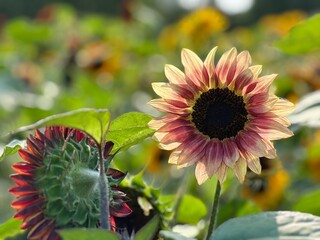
<point x="10" y="228"/>
<point x="309" y="203"/>
<point x="12" y="148"/>
<point x="173" y="236"/>
<point x="94" y="122"/>
<point x="283" y="225"/>
<point x="191" y="210"/>
<point x="87" y="234"/>
<point x="129" y="129"/>
<point x="27" y="31"/>
<point x="149" y="230"/>
<point x="307" y="111"/>
<point x="302" y="38"/>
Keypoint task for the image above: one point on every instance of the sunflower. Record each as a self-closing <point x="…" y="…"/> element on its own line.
<point x="219" y="117"/>
<point x="194" y="29"/>
<point x="57" y="183"/>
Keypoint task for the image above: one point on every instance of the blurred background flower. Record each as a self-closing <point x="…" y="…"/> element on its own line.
<point x="266" y="189"/>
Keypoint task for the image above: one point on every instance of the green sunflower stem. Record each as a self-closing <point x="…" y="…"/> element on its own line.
<point x="214" y="210"/>
<point x="104" y="193"/>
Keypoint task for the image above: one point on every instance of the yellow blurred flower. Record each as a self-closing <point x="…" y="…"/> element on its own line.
<point x="282" y="23"/>
<point x="194" y="29"/>
<point x="266" y="189"/>
<point x="168" y="38"/>
<point x="157" y="158"/>
<point x="100" y="58"/>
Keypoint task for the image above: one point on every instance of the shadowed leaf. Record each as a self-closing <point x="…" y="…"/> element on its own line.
<point x="11" y="148"/>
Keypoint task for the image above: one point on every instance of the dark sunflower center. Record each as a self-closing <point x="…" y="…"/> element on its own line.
<point x="219" y="113"/>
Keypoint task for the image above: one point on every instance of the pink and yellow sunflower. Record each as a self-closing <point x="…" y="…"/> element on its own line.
<point x="219" y="116"/>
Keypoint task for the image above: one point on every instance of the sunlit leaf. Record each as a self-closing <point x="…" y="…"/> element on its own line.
<point x="307" y="111"/>
<point x="302" y="38"/>
<point x="94" y="122"/>
<point x="149" y="230"/>
<point x="191" y="210"/>
<point x="10" y="228"/>
<point x="129" y="129"/>
<point x="87" y="234"/>
<point x="283" y="225"/>
<point x="173" y="236"/>
<point x="11" y="148"/>
<point x="309" y="203"/>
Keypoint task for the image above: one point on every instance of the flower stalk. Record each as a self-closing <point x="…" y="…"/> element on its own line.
<point x="214" y="210"/>
<point x="104" y="192"/>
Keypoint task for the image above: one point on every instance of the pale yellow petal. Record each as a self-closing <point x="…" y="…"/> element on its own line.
<point x="209" y="62"/>
<point x="240" y="169"/>
<point x="174" y="75"/>
<point x="283" y="107"/>
<point x="169" y="146"/>
<point x="256" y="70"/>
<point x="174" y="157"/>
<point x="243" y="61"/>
<point x="222" y="173"/>
<point x="158" y="136"/>
<point x="193" y="67"/>
<point x="201" y="173"/>
<point x="254" y="165"/>
<point x="156" y="124"/>
<point x="226" y="66"/>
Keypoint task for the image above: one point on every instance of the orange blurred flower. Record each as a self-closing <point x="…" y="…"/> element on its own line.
<point x="266" y="189"/>
<point x="282" y="23"/>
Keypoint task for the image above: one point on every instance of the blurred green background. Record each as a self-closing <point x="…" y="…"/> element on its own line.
<point x="61" y="56"/>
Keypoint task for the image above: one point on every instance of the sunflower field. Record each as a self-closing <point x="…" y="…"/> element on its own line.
<point x="169" y="120"/>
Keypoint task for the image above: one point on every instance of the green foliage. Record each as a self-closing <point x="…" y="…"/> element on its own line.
<point x="10" y="228"/>
<point x="309" y="203"/>
<point x="191" y="210"/>
<point x="12" y="148"/>
<point x="173" y="236"/>
<point x="283" y="225"/>
<point x="60" y="60"/>
<point x="129" y="129"/>
<point x="94" y="122"/>
<point x="303" y="38"/>
<point x="149" y="230"/>
<point x="87" y="234"/>
<point x="26" y="31"/>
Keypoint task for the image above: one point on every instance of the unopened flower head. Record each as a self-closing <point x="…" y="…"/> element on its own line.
<point x="219" y="116"/>
<point x="57" y="183"/>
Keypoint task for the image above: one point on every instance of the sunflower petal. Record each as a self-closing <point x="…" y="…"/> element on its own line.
<point x="193" y="67"/>
<point x="254" y="165"/>
<point x="222" y="173"/>
<point x="240" y="169"/>
<point x="174" y="74"/>
<point x="209" y="65"/>
<point x="226" y="67"/>
<point x="201" y="172"/>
